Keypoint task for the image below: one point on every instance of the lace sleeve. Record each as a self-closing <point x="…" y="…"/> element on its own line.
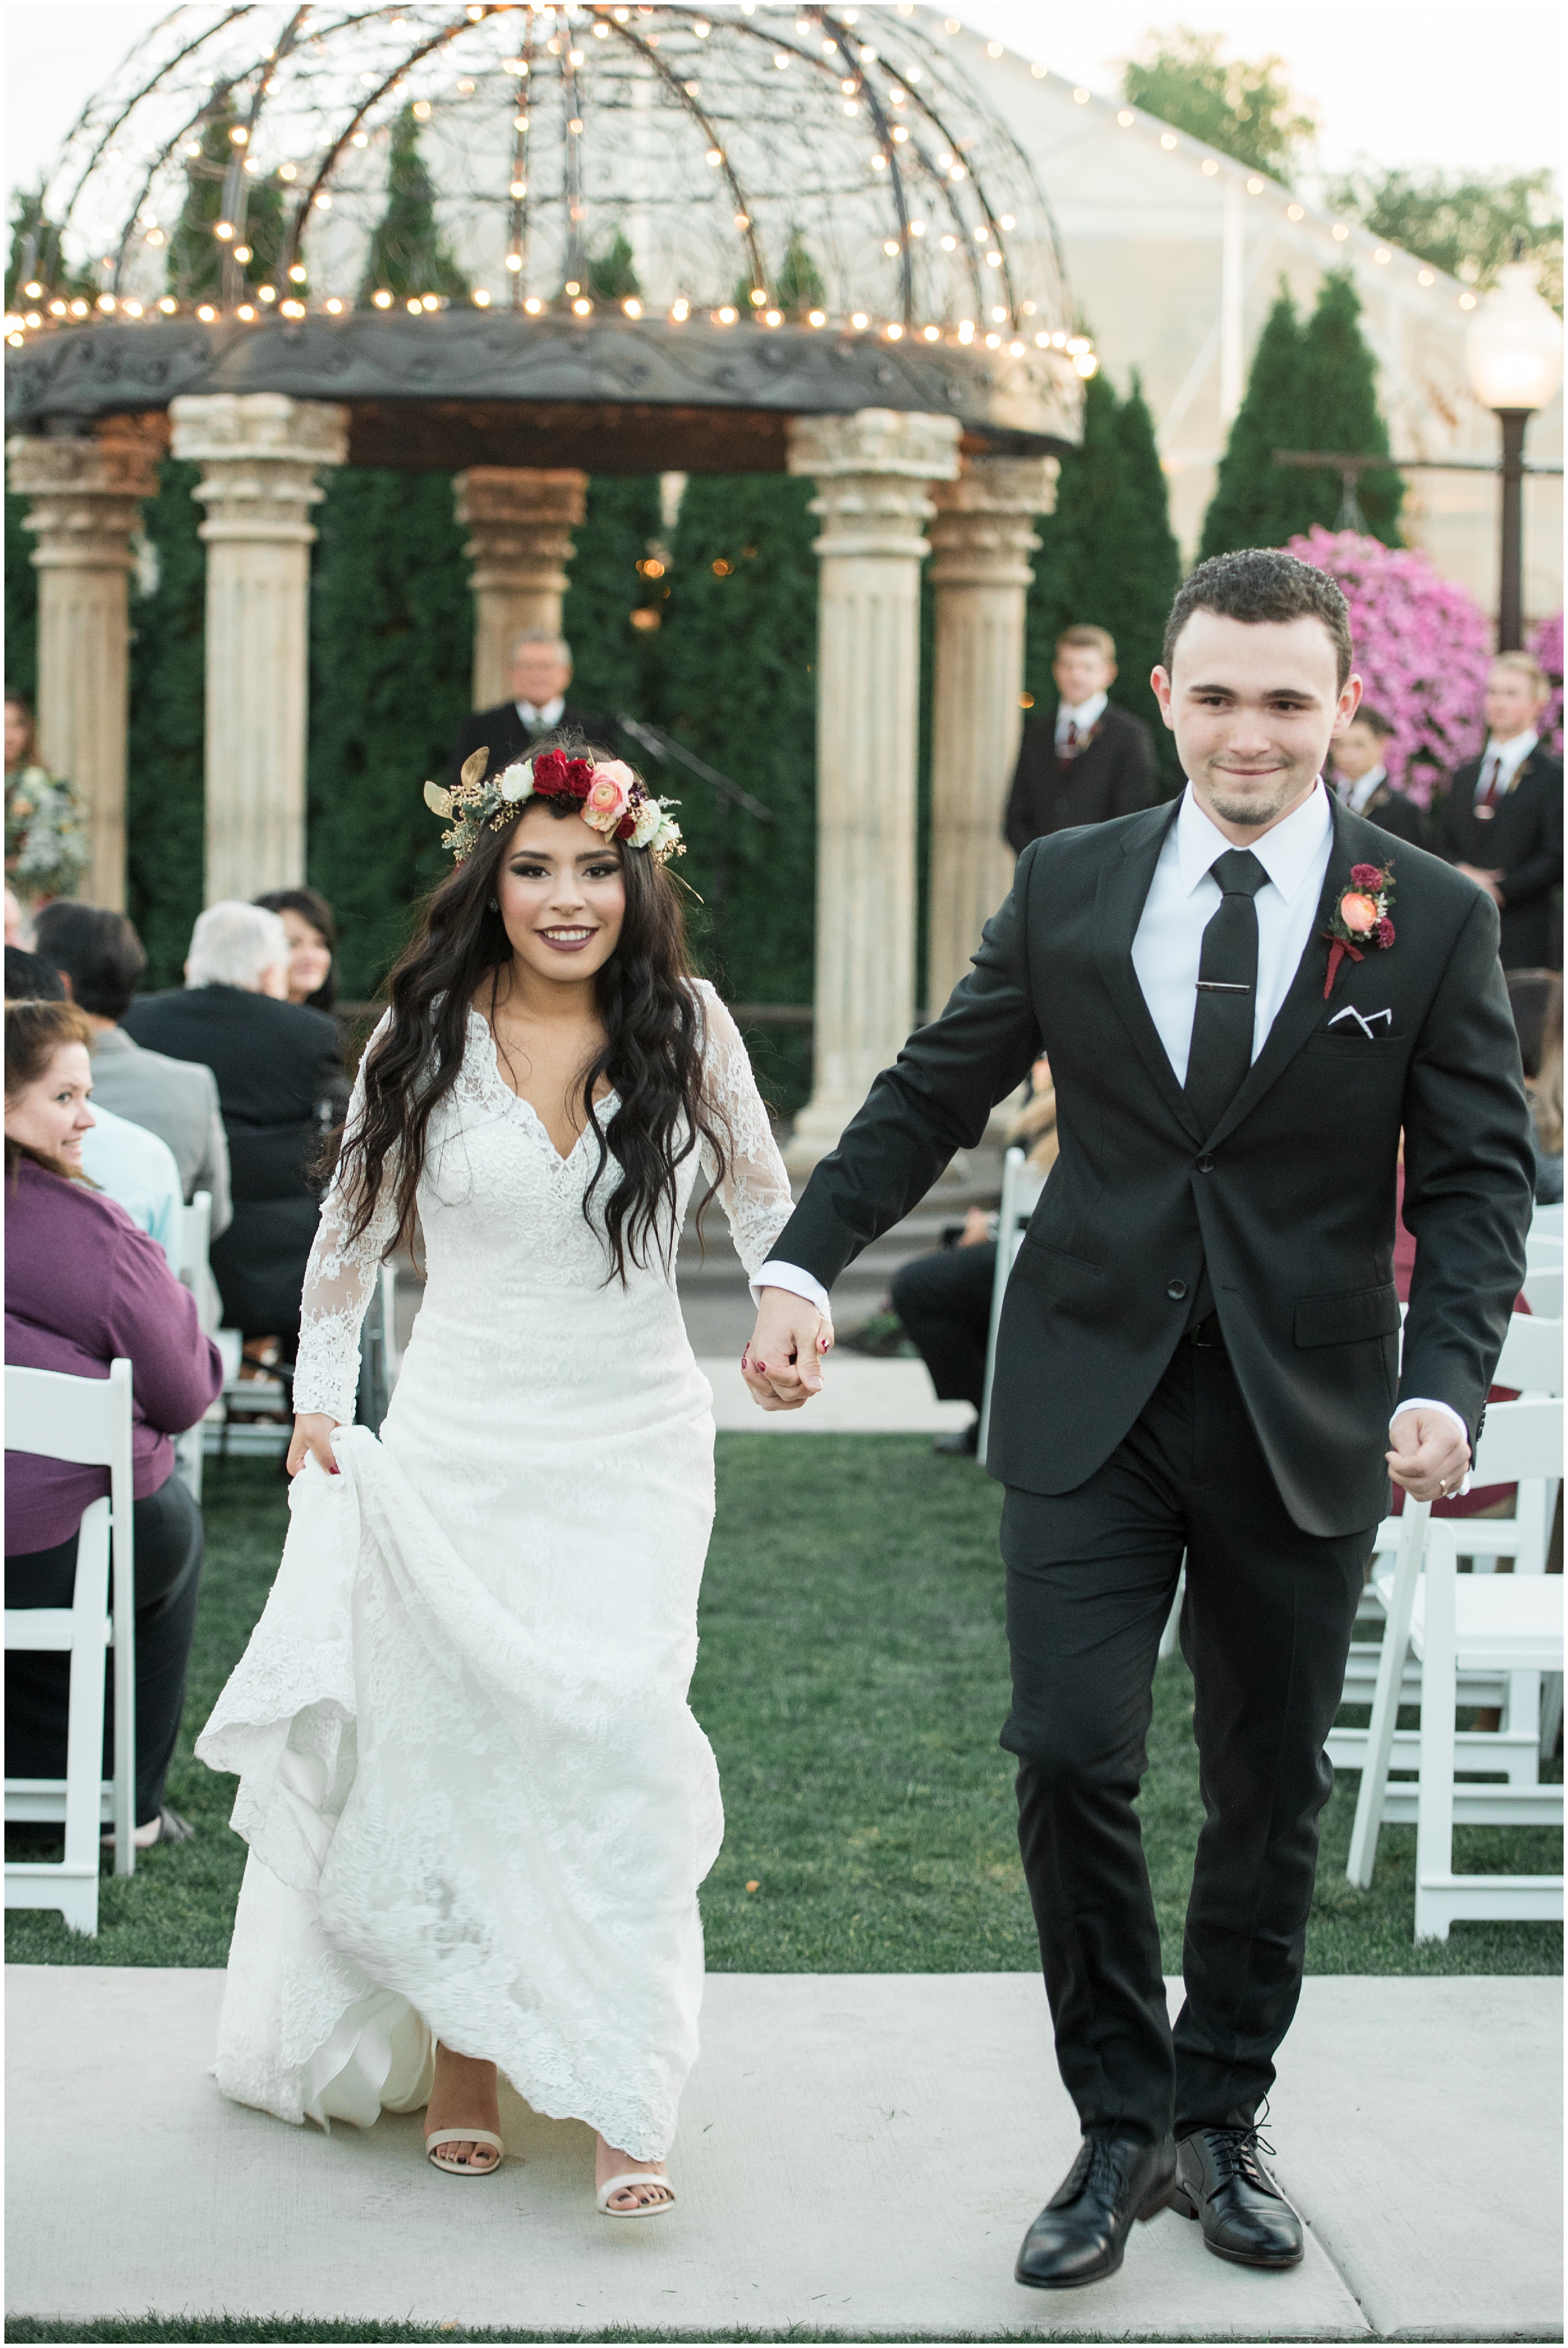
<point x="754" y="1187"/>
<point x="340" y="1281"/>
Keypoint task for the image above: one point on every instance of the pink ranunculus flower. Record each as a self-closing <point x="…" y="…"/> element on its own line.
<point x="1359" y="912"/>
<point x="609" y="796"/>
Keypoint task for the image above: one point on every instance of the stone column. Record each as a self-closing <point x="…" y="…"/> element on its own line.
<point x="980" y="541"/>
<point x="259" y="453"/>
<point x="520" y="524"/>
<point x="83" y="511"/>
<point x="872" y="472"/>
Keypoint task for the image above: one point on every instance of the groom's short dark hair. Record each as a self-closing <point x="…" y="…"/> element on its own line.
<point x="1261" y="583"/>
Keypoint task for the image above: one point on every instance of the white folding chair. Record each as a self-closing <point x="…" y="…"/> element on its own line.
<point x="1522" y="1445"/>
<point x="1542" y="1291"/>
<point x="88" y="1421"/>
<point x="1548" y="1222"/>
<point x="1021" y="1195"/>
<point x="195" y="1272"/>
<point x="1543" y="1250"/>
<point x="1502" y="1623"/>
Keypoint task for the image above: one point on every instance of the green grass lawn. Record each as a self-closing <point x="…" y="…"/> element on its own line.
<point x="852" y="1677"/>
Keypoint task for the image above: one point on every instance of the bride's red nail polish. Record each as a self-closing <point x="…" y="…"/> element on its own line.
<point x="760" y="1366"/>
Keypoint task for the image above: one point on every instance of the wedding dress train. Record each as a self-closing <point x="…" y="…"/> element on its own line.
<point x="477" y="1803"/>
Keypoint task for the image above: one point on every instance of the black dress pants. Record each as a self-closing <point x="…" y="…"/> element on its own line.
<point x="945" y="1304"/>
<point x="1266" y="1627"/>
<point x="168" y="1541"/>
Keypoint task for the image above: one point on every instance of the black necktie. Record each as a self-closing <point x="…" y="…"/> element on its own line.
<point x="1221" y="1052"/>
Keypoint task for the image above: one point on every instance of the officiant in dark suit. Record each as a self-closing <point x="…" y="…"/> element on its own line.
<point x="1087" y="761"/>
<point x="539" y="675"/>
<point x="1502" y="822"/>
<point x="1200" y="1351"/>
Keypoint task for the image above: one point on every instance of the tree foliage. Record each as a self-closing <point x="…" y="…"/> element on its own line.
<point x="1313" y="386"/>
<point x="612" y="273"/>
<point x="1469" y="226"/>
<point x="1244" y="107"/>
<point x="35" y="253"/>
<point x="616" y="659"/>
<point x="408" y="253"/>
<point x="799" y="286"/>
<point x="1107" y="555"/>
<point x="21" y="601"/>
<point x="165" y="778"/>
<point x="195" y="255"/>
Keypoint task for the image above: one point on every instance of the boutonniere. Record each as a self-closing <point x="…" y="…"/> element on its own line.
<point x="1361" y="919"/>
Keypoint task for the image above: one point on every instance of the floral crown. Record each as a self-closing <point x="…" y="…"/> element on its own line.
<point x="611" y="798"/>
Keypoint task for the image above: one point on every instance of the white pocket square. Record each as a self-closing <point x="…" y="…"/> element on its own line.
<point x="1365" y="1020"/>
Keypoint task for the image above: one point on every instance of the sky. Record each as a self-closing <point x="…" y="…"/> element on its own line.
<point x="1407" y="82"/>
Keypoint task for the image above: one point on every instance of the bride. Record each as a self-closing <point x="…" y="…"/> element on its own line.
<point x="477" y="1804"/>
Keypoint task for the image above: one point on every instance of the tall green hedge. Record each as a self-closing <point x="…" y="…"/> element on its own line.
<point x="165" y="784"/>
<point x="21" y="603"/>
<point x="617" y="661"/>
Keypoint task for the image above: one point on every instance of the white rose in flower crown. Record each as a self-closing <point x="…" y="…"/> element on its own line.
<point x="518" y="782"/>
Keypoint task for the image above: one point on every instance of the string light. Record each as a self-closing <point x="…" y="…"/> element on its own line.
<point x="481" y="298"/>
<point x="382" y="298"/>
<point x="533" y="305"/>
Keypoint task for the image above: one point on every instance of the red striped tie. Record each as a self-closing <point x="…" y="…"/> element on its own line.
<point x="1487" y="797"/>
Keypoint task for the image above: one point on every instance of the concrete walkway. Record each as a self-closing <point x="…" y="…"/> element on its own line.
<point x="858" y="2153"/>
<point x="859" y="1396"/>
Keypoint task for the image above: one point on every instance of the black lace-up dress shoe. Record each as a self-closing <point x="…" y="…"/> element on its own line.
<point x="1081" y="2234"/>
<point x="1223" y="2183"/>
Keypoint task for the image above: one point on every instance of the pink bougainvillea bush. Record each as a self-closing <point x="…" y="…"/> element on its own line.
<point x="1546" y="643"/>
<point x="1423" y="645"/>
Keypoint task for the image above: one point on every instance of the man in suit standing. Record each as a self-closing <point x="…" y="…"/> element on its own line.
<point x="1362" y="779"/>
<point x="1199" y="1350"/>
<point x="540" y="679"/>
<point x="1502" y="822"/>
<point x="1088" y="762"/>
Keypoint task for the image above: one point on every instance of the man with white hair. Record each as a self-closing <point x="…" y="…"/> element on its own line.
<point x="280" y="1087"/>
<point x="539" y="674"/>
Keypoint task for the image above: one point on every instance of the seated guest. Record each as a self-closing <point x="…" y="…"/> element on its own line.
<point x="124" y="1160"/>
<point x="313" y="941"/>
<point x="540" y="678"/>
<point x="944" y="1299"/>
<point x="1500" y="823"/>
<point x="280" y="1078"/>
<point x="1087" y="761"/>
<point x="83" y="1286"/>
<point x="100" y="956"/>
<point x="1362" y="779"/>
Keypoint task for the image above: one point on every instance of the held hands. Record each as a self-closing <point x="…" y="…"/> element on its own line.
<point x="782" y="1363"/>
<point x="312" y="1439"/>
<point x="1429" y="1456"/>
<point x="1487" y="877"/>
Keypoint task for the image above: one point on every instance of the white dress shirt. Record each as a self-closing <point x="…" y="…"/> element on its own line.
<point x="1510" y="756"/>
<point x="1168" y="946"/>
<point x="1355" y="796"/>
<point x="540" y="721"/>
<point x="1086" y="716"/>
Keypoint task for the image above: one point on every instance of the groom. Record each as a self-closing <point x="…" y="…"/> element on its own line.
<point x="1199" y="1350"/>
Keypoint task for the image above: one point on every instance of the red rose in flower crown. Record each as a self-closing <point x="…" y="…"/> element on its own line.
<point x="559" y="776"/>
<point x="1360" y="918"/>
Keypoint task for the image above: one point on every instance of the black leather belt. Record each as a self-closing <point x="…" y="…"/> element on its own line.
<point x="1207" y="1333"/>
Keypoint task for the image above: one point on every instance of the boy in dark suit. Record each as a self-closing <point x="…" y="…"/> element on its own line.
<point x="1362" y="779"/>
<point x="1088" y="762"/>
<point x="1502" y="822"/>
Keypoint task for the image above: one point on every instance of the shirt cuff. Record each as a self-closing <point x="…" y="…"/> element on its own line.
<point x="1425" y="1402"/>
<point x="798" y="1283"/>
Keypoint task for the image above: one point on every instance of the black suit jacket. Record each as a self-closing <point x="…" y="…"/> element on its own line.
<point x="1524" y="837"/>
<point x="280" y="1085"/>
<point x="1289" y="1201"/>
<point x="1113" y="774"/>
<point x="504" y="735"/>
<point x="1390" y="810"/>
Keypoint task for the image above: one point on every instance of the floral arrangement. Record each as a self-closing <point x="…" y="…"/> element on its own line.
<point x="611" y="798"/>
<point x="1361" y="919"/>
<point x="1422" y="648"/>
<point x="46" y="849"/>
<point x="1546" y="645"/>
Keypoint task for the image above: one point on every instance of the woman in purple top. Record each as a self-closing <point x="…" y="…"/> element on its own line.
<point x="83" y="1285"/>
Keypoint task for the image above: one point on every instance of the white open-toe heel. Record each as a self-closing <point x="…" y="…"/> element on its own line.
<point x="638" y="2209"/>
<point x="463" y="2135"/>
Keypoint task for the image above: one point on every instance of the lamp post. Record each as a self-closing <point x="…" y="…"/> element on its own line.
<point x="1515" y="352"/>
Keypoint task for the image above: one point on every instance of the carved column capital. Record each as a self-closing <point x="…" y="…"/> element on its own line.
<point x="519" y="525"/>
<point x="259" y="453"/>
<point x="980" y="532"/>
<point x="84" y="496"/>
<point x="872" y="472"/>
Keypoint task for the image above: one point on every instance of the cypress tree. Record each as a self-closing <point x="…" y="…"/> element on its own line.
<point x="195" y="255"/>
<point x="612" y="273"/>
<point x="21" y="601"/>
<point x="408" y="253"/>
<point x="1271" y="416"/>
<point x="165" y="784"/>
<point x="737" y="652"/>
<point x="392" y="650"/>
<point x="615" y="657"/>
<point x="799" y="286"/>
<point x="1107" y="554"/>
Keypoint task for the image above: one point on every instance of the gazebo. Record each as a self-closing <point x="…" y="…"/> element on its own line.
<point x="750" y="240"/>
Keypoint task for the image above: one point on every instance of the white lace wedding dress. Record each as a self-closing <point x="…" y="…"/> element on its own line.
<point x="477" y="1801"/>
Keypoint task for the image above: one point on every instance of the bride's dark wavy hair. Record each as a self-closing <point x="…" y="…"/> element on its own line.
<point x="652" y="1058"/>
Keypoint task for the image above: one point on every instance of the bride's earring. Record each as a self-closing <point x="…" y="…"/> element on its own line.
<point x="495" y="904"/>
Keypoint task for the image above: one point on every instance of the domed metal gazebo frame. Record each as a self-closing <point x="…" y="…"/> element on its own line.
<point x="725" y="157"/>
